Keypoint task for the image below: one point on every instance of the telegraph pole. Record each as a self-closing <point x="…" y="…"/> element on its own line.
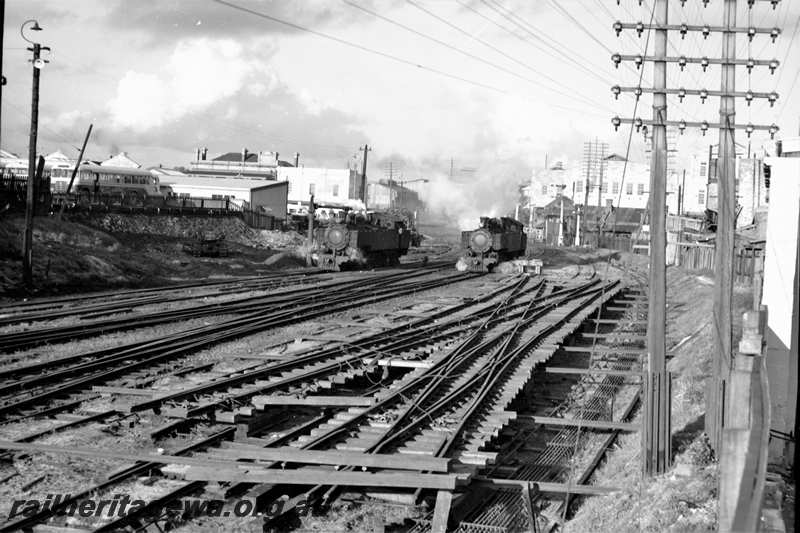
<point x="27" y="245"/>
<point x="364" y="175"/>
<point x="656" y="432"/>
<point x="2" y="78"/>
<point x="726" y="209"/>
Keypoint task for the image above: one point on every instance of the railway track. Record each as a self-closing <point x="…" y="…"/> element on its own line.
<point x="29" y="385"/>
<point x="438" y="386"/>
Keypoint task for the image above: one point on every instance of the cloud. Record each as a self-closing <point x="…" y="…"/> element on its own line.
<point x="193" y="18"/>
<point x="198" y="74"/>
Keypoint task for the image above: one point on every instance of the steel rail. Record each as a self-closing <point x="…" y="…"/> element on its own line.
<point x="212" y="335"/>
<point x="284" y="300"/>
<point x="120" y="305"/>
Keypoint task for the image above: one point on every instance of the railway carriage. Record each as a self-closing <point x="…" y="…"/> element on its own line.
<point x="117" y="185"/>
<point x="496" y="240"/>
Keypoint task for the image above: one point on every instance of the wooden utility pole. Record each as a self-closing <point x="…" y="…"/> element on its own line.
<point x="310" y="238"/>
<point x="27" y="254"/>
<point x="726" y="216"/>
<point x="2" y="78"/>
<point x="656" y="434"/>
<point x="75" y="171"/>
<point x="364" y="175"/>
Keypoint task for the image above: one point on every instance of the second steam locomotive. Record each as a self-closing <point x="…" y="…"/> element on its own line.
<point x="374" y="240"/>
<point x="496" y="240"/>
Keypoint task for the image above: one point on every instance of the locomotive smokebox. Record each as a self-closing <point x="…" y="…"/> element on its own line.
<point x="480" y="241"/>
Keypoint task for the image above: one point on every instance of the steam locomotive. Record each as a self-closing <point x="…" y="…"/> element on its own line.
<point x="496" y="240"/>
<point x="375" y="240"/>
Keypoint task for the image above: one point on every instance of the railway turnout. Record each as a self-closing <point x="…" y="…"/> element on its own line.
<point x="432" y="398"/>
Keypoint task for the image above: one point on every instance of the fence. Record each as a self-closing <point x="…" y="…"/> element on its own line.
<point x="745" y="437"/>
<point x="698" y="256"/>
<point x="181" y="207"/>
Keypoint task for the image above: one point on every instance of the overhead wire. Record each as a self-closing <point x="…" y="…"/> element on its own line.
<point x="489" y="45"/>
<point x="357" y="46"/>
<point x="466" y="53"/>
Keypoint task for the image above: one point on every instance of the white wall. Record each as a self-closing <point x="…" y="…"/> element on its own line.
<point x="328" y="185"/>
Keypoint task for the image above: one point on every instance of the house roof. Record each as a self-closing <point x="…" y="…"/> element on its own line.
<point x="242" y="184"/>
<point x="553" y="209"/>
<point x="121" y="160"/>
<point x="622" y="219"/>
<point x="237" y="157"/>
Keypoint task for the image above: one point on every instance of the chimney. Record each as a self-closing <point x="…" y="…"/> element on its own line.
<point x="244" y="155"/>
<point x="297" y="159"/>
<point x="197" y="154"/>
<point x="276" y="157"/>
<point x="205" y="153"/>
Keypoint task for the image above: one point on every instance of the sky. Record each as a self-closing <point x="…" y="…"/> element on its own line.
<point x="488" y="88"/>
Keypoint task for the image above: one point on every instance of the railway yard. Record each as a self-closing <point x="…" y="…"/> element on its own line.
<point x="419" y="392"/>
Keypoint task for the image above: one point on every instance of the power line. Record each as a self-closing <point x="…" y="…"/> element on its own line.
<point x="459" y="50"/>
<point x="494" y="48"/>
<point x="357" y="46"/>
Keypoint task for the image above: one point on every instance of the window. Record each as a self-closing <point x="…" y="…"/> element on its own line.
<point x="703" y="168"/>
<point x="336" y="190"/>
<point x="578" y="186"/>
<point x="640" y="189"/>
<point x="289" y="189"/>
<point x="615" y="187"/>
<point x="127" y="179"/>
<point x="629" y="188"/>
<point x="310" y="188"/>
<point x="604" y="188"/>
<point x="544" y="189"/>
<point x="701" y="197"/>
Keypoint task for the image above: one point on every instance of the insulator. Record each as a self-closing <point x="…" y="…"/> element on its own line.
<point x="638" y="60"/>
<point x="639" y="28"/>
<point x="750" y="64"/>
<point x="775" y="3"/>
<point x="618" y="27"/>
<point x="773" y="130"/>
<point x="682" y="126"/>
<point x="749" y="97"/>
<point x="644" y="132"/>
<point x="772" y="97"/>
<point x="616" y="90"/>
<point x="751" y="32"/>
<point x="749" y="129"/>
<point x="681" y="94"/>
<point x="705" y="3"/>
<point x="684" y="30"/>
<point x="774" y="34"/>
<point x="773" y="65"/>
<point x="682" y="62"/>
<point x="704" y="127"/>
<point x="706" y="32"/>
<point x="704" y="63"/>
<point x="616" y="121"/>
<point x="638" y="92"/>
<point x="683" y="3"/>
<point x="749" y="3"/>
<point x="617" y="59"/>
<point x="703" y="95"/>
<point x="638" y="123"/>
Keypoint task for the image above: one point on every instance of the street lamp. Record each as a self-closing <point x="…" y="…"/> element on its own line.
<point x="38" y="63"/>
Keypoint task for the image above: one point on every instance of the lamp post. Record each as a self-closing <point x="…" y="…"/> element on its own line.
<point x="38" y="63"/>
